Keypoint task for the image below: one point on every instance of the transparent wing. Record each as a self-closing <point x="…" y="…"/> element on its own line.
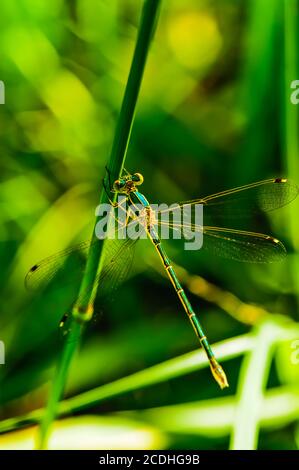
<point x="235" y="244"/>
<point x="68" y="265"/>
<point x="243" y="246"/>
<point x="118" y="259"/>
<point x="243" y="201"/>
<point x="72" y="260"/>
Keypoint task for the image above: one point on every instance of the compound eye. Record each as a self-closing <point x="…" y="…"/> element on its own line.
<point x="118" y="185"/>
<point x="138" y="178"/>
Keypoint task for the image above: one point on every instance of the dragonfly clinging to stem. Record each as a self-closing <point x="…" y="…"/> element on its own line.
<point x="239" y="245"/>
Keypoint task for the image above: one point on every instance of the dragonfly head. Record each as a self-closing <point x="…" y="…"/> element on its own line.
<point x="127" y="184"/>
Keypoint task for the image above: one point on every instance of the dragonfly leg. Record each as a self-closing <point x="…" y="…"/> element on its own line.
<point x="109" y="178"/>
<point x="108" y="193"/>
<point x="126" y="171"/>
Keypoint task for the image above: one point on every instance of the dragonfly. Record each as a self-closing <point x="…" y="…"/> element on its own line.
<point x="239" y="245"/>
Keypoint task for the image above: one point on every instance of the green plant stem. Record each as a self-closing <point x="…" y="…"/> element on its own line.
<point x="83" y="308"/>
<point x="62" y="370"/>
<point x="290" y="123"/>
<point x="252" y="382"/>
<point x="167" y="370"/>
<point x="211" y="418"/>
<point x="215" y="417"/>
<point x="121" y="138"/>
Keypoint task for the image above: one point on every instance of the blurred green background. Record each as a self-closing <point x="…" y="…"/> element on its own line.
<point x="214" y="112"/>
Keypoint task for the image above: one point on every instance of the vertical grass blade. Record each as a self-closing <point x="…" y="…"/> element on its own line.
<point x="252" y="382"/>
<point x="261" y="50"/>
<point x="83" y="309"/>
<point x="290" y="123"/>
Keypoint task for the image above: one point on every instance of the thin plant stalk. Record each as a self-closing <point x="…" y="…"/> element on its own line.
<point x="83" y="308"/>
<point x="290" y="122"/>
<point x="251" y="386"/>
<point x="171" y="369"/>
<point x="159" y="373"/>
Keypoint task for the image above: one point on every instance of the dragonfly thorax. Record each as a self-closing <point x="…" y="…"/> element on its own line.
<point x="146" y="217"/>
